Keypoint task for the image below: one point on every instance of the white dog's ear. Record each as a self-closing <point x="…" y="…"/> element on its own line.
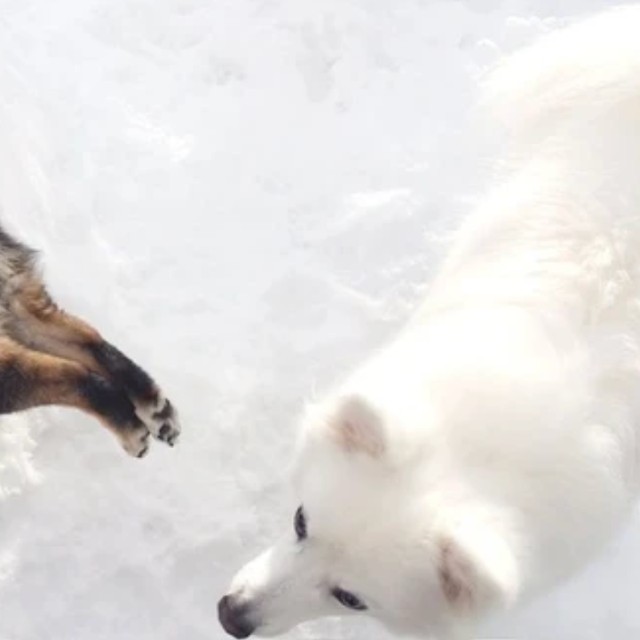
<point x="358" y="427"/>
<point x="476" y="568"/>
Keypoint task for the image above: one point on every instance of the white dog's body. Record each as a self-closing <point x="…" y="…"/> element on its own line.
<point x="491" y="450"/>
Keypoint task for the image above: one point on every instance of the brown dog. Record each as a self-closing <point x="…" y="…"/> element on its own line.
<point x="48" y="357"/>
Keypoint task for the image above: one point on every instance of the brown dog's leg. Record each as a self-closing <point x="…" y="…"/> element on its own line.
<point x="36" y="322"/>
<point x="32" y="379"/>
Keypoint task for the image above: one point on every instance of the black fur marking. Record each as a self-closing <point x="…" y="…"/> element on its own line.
<point x="108" y="400"/>
<point x="124" y="371"/>
<point x="13" y="386"/>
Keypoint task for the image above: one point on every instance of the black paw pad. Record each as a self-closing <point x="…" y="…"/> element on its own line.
<point x="165" y="432"/>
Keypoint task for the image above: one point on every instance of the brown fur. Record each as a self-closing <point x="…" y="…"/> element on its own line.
<point x="49" y="357"/>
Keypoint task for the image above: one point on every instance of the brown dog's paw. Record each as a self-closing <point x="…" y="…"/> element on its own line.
<point x="160" y="418"/>
<point x="135" y="439"/>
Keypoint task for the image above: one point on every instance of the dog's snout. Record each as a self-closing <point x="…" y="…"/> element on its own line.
<point x="234" y="617"/>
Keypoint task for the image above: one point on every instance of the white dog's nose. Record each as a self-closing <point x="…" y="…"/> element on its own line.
<point x="234" y="617"/>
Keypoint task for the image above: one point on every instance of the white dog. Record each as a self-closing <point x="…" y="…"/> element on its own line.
<point x="493" y="448"/>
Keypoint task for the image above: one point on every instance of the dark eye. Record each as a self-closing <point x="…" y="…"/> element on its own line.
<point x="347" y="599"/>
<point x="300" y="523"/>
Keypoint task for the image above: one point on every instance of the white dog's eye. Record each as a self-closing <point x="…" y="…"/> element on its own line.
<point x="347" y="599"/>
<point x="300" y="523"/>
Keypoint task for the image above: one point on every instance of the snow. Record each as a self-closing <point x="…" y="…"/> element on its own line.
<point x="247" y="196"/>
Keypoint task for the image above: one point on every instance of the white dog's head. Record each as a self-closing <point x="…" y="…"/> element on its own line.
<point x="364" y="539"/>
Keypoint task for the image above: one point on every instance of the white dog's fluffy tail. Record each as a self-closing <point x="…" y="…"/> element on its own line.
<point x="570" y="81"/>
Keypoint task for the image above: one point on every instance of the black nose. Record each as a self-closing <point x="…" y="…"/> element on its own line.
<point x="234" y="617"/>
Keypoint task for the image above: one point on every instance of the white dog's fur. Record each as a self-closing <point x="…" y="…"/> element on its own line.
<point x="492" y="449"/>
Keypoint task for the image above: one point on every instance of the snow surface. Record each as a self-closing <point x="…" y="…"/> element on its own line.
<point x="246" y="196"/>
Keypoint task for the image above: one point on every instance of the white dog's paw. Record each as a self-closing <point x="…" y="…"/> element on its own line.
<point x="160" y="418"/>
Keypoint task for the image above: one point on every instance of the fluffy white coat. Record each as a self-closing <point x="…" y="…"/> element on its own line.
<point x="492" y="449"/>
